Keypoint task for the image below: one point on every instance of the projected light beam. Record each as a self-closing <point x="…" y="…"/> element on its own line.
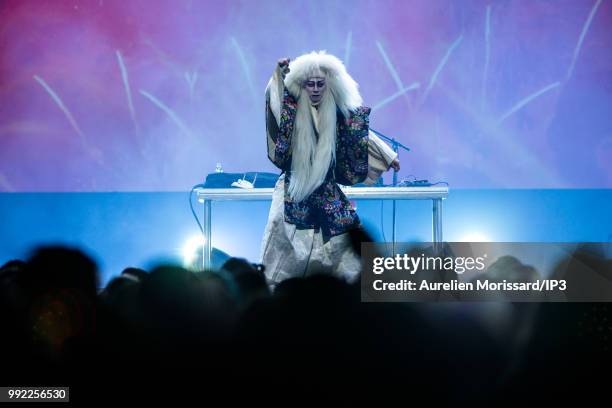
<point x="390" y="67"/>
<point x="128" y="92"/>
<point x="434" y="77"/>
<point x="526" y="100"/>
<point x="389" y="99"/>
<point x="487" y="57"/>
<point x="583" y="33"/>
<point x="347" y="48"/>
<point x="171" y="114"/>
<point x="192" y="79"/>
<point x="245" y="67"/>
<point x="62" y="107"/>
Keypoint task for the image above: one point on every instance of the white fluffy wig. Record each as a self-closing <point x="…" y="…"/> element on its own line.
<point x="312" y="156"/>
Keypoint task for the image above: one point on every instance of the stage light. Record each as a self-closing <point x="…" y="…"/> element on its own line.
<point x="192" y="249"/>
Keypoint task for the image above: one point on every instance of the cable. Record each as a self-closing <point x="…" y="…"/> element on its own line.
<point x="410" y="175"/>
<point x="382" y="202"/>
<point x="191" y="206"/>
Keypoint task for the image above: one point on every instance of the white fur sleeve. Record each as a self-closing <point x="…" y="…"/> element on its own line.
<point x="383" y="149"/>
<point x="274" y="91"/>
<point x="380" y="157"/>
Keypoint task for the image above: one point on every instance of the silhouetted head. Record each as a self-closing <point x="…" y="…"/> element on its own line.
<point x="53" y="268"/>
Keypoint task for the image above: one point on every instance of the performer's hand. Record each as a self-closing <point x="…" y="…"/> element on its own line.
<point x="283" y="66"/>
<point x="396" y="165"/>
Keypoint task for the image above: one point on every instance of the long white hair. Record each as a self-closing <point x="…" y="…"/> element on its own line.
<point x="312" y="157"/>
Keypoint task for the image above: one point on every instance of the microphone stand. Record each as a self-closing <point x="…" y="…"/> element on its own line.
<point x="395" y="145"/>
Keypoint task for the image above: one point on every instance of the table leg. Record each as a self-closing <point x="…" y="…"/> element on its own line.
<point x="393" y="232"/>
<point x="437" y="221"/>
<point x="207" y="227"/>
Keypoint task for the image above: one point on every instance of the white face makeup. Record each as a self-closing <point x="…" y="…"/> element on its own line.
<point x="315" y="86"/>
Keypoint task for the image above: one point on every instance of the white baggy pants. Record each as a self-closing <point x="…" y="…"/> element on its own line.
<point x="288" y="252"/>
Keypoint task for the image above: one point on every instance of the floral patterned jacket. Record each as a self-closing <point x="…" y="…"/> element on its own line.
<point x="327" y="208"/>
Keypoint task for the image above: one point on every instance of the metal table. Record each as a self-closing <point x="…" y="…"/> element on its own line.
<point x="434" y="193"/>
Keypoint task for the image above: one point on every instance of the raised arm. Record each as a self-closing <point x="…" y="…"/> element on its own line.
<point x="280" y="116"/>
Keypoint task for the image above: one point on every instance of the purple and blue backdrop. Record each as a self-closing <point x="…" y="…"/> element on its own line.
<point x="116" y="108"/>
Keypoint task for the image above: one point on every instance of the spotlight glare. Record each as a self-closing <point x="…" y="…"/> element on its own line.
<point x="191" y="249"/>
<point x="475" y="236"/>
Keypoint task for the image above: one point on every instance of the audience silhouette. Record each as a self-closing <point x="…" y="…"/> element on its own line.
<point x="230" y="330"/>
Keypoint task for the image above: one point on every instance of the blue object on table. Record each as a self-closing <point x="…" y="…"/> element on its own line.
<point x="225" y="180"/>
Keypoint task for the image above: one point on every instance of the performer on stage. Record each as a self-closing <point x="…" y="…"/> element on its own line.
<point x="318" y="135"/>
